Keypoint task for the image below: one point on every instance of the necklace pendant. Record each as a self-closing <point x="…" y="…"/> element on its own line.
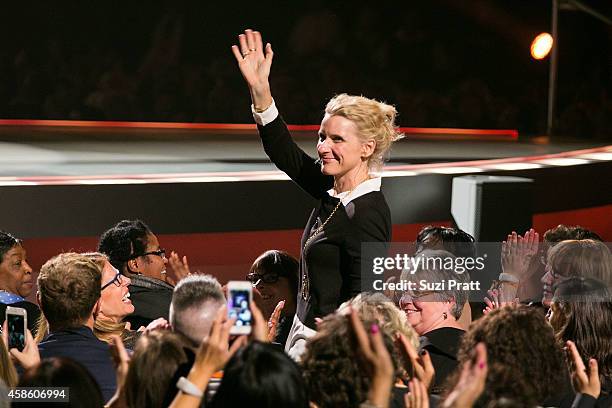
<point x="305" y="287"/>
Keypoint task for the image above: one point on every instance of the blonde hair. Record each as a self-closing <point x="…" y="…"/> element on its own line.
<point x="374" y="120"/>
<point x="377" y="307"/>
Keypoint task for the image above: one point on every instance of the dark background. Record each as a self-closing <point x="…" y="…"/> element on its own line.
<point x="443" y="63"/>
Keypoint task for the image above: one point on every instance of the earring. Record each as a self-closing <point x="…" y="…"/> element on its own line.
<point x="445" y="315"/>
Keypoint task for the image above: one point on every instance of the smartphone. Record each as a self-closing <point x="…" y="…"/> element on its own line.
<point x="239" y="298"/>
<point x="17" y="322"/>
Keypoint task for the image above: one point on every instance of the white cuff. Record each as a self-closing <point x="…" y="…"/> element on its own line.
<point x="266" y="116"/>
<point x="506" y="277"/>
<point x="188" y="387"/>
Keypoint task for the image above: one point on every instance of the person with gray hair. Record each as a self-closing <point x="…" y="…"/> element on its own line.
<point x="434" y="307"/>
<point x="195" y="302"/>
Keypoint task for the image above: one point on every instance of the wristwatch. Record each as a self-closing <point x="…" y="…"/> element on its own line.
<point x="188" y="387"/>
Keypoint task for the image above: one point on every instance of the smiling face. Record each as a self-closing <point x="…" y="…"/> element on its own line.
<point x="115" y="302"/>
<point x="15" y="272"/>
<point x="340" y="148"/>
<point x="425" y="313"/>
<point x="272" y="293"/>
<point x="152" y="265"/>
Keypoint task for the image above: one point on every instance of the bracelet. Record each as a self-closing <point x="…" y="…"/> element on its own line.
<point x="188" y="387"/>
<point x="257" y="110"/>
<point x="506" y="277"/>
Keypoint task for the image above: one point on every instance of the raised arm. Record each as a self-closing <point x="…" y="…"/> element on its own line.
<point x="255" y="61"/>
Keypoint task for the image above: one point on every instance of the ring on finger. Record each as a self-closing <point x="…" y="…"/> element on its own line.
<point x="251" y="49"/>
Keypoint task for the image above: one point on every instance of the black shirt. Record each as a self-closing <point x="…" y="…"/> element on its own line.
<point x="332" y="260"/>
<point x="442" y="345"/>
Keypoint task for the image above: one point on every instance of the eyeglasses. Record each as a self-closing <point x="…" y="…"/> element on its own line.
<point x="161" y="252"/>
<point x="254" y="278"/>
<point x="116" y="280"/>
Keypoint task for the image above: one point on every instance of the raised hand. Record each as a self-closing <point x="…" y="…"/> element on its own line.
<point x="180" y="268"/>
<point x="273" y="320"/>
<point x="584" y="381"/>
<point x="255" y="66"/>
<point x="494" y="301"/>
<point x="471" y="382"/>
<point x="417" y="396"/>
<point x="376" y="354"/>
<point x="27" y="358"/>
<point x="517" y="253"/>
<point x="422" y="366"/>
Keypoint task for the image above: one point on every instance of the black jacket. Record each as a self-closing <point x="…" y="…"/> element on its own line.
<point x="151" y="299"/>
<point x="442" y="345"/>
<point x="332" y="261"/>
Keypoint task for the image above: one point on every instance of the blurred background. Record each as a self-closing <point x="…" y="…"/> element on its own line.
<point x="452" y="63"/>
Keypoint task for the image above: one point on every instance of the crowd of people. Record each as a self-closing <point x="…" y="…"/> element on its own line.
<point x="117" y="329"/>
<point x="161" y="68"/>
<point x="408" y="349"/>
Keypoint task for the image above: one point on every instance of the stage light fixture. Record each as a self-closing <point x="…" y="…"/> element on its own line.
<point x="541" y="46"/>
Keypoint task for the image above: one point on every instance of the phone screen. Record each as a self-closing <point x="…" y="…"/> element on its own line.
<point x="239" y="308"/>
<point x="16" y="331"/>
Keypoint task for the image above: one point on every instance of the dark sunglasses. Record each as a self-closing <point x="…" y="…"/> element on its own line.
<point x="267" y="278"/>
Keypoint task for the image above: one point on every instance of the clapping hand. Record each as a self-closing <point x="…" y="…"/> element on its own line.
<point x="471" y="382"/>
<point x="517" y="253"/>
<point x="494" y="301"/>
<point x="374" y="351"/>
<point x="422" y="366"/>
<point x="274" y="319"/>
<point x="584" y="381"/>
<point x="179" y="266"/>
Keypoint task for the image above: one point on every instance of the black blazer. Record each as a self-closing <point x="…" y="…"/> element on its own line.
<point x="333" y="259"/>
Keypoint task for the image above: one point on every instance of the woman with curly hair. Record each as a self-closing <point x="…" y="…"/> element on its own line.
<point x="525" y="364"/>
<point x="332" y="365"/>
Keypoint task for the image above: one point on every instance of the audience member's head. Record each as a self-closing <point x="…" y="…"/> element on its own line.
<point x="15" y="273"/>
<point x="587" y="258"/>
<point x="429" y="308"/>
<point x="524" y="361"/>
<point x="64" y="372"/>
<point x="454" y="240"/>
<point x="115" y="302"/>
<point x="133" y="249"/>
<point x="564" y="232"/>
<point x="69" y="290"/>
<point x="374" y="306"/>
<point x="332" y="365"/>
<point x="261" y="375"/>
<point x="149" y="380"/>
<point x="195" y="302"/>
<point x="275" y="275"/>
<point x="581" y="311"/>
